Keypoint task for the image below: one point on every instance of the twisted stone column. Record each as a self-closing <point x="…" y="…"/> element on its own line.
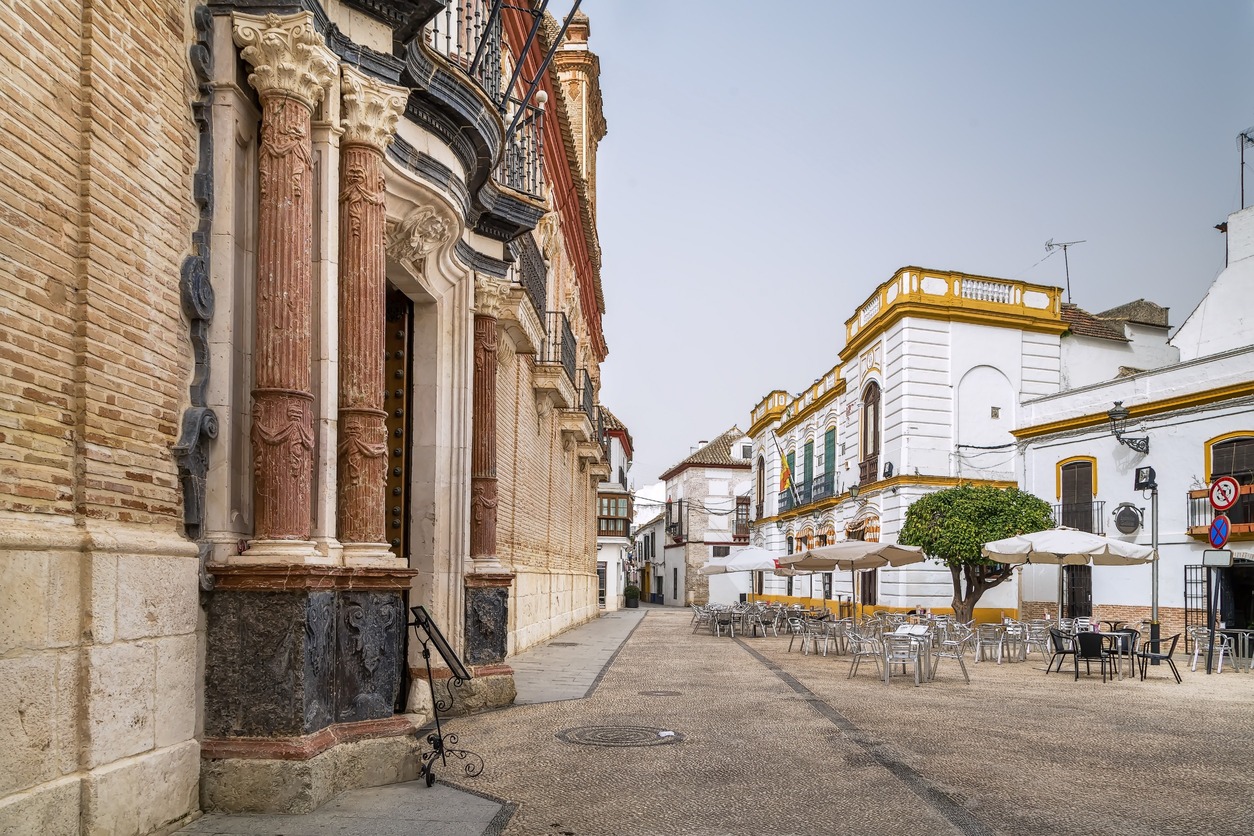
<point x="291" y="67"/>
<point x="371" y="110"/>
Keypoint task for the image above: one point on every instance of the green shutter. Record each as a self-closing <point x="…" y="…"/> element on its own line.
<point x="809" y="465"/>
<point x="829" y="451"/>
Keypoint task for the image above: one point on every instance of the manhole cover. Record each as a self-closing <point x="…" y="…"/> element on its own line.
<point x="619" y="736"/>
<point x="563" y="644"/>
<point x="661" y="693"/>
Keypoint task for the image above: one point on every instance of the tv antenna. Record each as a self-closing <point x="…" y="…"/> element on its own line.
<point x="1246" y="137"/>
<point x="1050" y="246"/>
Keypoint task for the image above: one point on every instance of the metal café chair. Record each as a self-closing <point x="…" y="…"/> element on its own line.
<point x="954" y="643"/>
<point x="863" y="646"/>
<point x="989" y="637"/>
<point x="902" y="649"/>
<point x="1223" y="645"/>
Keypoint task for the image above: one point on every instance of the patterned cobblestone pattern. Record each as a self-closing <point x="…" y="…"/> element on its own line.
<point x="781" y="743"/>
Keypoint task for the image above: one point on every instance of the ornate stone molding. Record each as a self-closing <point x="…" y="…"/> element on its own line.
<point x="371" y="109"/>
<point x="419" y="234"/>
<point x="288" y="55"/>
<point x="491" y="297"/>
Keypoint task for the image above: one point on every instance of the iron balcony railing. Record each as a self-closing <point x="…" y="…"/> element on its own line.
<point x="821" y="487"/>
<point x="1240" y="516"/>
<point x="785" y="501"/>
<point x="586" y="397"/>
<point x="803" y="493"/>
<point x="559" y="343"/>
<point x="468" y="34"/>
<point x="1086" y="516"/>
<point x="522" y="162"/>
<point x="532" y="273"/>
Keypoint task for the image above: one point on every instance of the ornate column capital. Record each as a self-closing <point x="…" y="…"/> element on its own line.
<point x="288" y="56"/>
<point x="371" y="109"/>
<point x="491" y="296"/>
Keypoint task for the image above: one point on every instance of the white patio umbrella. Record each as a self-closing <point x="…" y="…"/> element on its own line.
<point x="853" y="556"/>
<point x="1066" y="547"/>
<point x="744" y="559"/>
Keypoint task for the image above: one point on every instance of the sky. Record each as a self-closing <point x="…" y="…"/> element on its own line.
<point x="768" y="165"/>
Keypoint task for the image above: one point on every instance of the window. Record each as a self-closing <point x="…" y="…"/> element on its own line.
<point x="1235" y="457"/>
<point x="1075" y="479"/>
<point x="741" y="531"/>
<point x="746" y="451"/>
<point x="869" y="466"/>
<point x="869" y="587"/>
<point x="788" y="543"/>
<point x="612" y="516"/>
<point x="722" y="551"/>
<point x="761" y="497"/>
<point x="674" y="583"/>
<point x="827" y="586"/>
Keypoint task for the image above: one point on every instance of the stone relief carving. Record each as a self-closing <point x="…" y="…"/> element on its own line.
<point x="371" y="109"/>
<point x="361" y="187"/>
<point x="411" y="239"/>
<point x="288" y="55"/>
<point x="491" y="296"/>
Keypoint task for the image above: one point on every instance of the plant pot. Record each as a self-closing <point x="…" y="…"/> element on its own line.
<point x="632" y="603"/>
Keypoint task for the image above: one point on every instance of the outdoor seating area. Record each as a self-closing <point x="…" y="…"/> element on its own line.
<point x="914" y="646"/>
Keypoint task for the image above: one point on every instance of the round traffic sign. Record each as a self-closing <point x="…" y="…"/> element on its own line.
<point x="1219" y="529"/>
<point x="1224" y="493"/>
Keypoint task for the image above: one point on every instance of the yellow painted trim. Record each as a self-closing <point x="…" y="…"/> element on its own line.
<point x="997" y="319"/>
<point x="820" y="402"/>
<point x="1080" y="422"/>
<point x="1058" y="473"/>
<point x="1220" y="439"/>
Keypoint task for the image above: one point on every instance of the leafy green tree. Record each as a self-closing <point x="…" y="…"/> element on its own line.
<point x="951" y="525"/>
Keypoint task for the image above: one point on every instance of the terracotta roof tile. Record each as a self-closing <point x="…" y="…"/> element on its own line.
<point x="1142" y="311"/>
<point x="1084" y="324"/>
<point x="717" y="453"/>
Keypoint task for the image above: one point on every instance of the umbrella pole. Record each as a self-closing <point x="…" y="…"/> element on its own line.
<point x="1060" y="593"/>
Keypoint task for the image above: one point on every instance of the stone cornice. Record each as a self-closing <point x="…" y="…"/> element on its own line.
<point x="269" y="577"/>
<point x="371" y="109"/>
<point x="288" y="55"/>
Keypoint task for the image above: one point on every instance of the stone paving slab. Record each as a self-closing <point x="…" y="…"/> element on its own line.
<point x="569" y="666"/>
<point x="780" y="743"/>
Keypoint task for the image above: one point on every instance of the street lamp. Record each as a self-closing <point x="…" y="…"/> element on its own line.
<point x="853" y="491"/>
<point x="1118" y="416"/>
<point x="1145" y="481"/>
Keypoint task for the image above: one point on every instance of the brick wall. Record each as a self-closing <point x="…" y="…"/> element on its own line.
<point x="98" y="610"/>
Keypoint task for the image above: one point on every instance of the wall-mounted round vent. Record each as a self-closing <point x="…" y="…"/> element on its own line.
<point x="1128" y="518"/>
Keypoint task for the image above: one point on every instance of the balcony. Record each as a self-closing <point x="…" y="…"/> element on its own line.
<point x="1241" y="515"/>
<point x="676" y="521"/>
<point x="785" y="501"/>
<point x="554" y="376"/>
<point x="821" y="487"/>
<point x="1086" y="516"/>
<point x="869" y="470"/>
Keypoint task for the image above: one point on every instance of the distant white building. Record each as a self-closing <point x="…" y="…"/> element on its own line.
<point x="707" y="515"/>
<point x="614" y="514"/>
<point x="1195" y="413"/>
<point x="927" y="395"/>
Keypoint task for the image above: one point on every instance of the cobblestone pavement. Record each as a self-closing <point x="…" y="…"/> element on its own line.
<point x="772" y="742"/>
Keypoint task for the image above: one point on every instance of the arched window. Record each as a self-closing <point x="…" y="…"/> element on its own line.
<point x="869" y="465"/>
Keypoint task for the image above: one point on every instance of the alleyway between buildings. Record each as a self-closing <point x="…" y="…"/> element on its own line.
<point x="771" y="742"/>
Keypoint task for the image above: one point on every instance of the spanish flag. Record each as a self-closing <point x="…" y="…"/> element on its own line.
<point x="785" y="474"/>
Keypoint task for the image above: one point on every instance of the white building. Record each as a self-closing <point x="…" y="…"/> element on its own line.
<point x="1196" y="413"/>
<point x="614" y="514"/>
<point x="926" y="396"/>
<point x="707" y="515"/>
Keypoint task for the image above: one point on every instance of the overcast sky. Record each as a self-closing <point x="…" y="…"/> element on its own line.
<point x="769" y="164"/>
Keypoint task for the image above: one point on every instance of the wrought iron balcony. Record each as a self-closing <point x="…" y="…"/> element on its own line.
<point x="1086" y="516"/>
<point x="821" y="487"/>
<point x="1241" y="515"/>
<point x="559" y="343"/>
<point x="785" y="501"/>
<point x="522" y="160"/>
<point x="587" y="399"/>
<point x="532" y="272"/>
<point x="803" y="493"/>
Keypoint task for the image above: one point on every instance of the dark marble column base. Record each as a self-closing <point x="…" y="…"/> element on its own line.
<point x="487" y="618"/>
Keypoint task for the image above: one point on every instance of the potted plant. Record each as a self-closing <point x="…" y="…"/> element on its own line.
<point x="631" y="594"/>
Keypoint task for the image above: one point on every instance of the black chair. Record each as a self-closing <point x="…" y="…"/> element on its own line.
<point x="1147" y="654"/>
<point x="1090" y="648"/>
<point x="1063" y="646"/>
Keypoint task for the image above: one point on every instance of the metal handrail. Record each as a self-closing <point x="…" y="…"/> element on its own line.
<point x="1086" y="516"/>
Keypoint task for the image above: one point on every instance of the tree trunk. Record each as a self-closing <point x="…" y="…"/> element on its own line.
<point x="968" y="594"/>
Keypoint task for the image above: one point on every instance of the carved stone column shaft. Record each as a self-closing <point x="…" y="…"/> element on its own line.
<point x="363" y="286"/>
<point x="282" y="432"/>
<point x="483" y="442"/>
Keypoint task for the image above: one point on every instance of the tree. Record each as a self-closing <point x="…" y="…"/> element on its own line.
<point x="951" y="526"/>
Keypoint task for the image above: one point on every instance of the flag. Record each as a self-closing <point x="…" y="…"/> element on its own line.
<point x="785" y="475"/>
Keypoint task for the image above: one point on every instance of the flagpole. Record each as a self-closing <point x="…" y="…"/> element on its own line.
<point x="792" y="483"/>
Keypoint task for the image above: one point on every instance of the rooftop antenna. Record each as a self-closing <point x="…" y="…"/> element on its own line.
<point x="1050" y="246"/>
<point x="1246" y="137"/>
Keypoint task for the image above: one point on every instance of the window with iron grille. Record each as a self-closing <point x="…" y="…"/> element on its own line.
<point x="722" y="551"/>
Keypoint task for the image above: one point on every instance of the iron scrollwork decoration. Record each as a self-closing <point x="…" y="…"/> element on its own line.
<point x="442" y="745"/>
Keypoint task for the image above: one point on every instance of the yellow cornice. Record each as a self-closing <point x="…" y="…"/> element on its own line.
<point x="936" y="312"/>
<point x="818" y="403"/>
<point x="1193" y="399"/>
